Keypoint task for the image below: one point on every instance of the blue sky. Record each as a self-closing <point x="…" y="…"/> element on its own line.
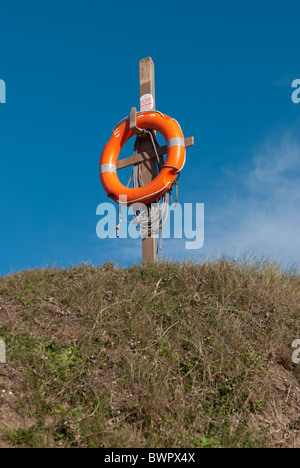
<point x="223" y="69"/>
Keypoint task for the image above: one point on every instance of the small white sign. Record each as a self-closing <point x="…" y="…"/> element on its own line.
<point x="2" y="352"/>
<point x="146" y="102"/>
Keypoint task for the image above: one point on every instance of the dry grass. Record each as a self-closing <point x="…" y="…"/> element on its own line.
<point x="170" y="355"/>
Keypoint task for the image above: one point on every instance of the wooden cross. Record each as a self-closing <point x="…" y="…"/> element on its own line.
<point x="147" y="155"/>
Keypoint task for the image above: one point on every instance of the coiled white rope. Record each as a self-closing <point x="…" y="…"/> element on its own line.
<point x="151" y="218"/>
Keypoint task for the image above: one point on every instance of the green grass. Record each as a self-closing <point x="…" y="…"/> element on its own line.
<point x="168" y="355"/>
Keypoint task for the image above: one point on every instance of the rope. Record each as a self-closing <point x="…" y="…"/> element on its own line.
<point x="157" y="212"/>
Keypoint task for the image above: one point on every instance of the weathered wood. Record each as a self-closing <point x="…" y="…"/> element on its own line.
<point x="147" y="86"/>
<point x="132" y="122"/>
<point x="147" y="78"/>
<point x="149" y="154"/>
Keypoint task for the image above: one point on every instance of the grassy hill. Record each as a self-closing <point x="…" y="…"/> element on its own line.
<point x="169" y="355"/>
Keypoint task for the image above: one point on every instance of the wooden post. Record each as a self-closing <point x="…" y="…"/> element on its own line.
<point x="144" y="153"/>
<point x="147" y="86"/>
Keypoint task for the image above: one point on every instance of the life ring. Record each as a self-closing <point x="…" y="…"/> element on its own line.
<point x="151" y="120"/>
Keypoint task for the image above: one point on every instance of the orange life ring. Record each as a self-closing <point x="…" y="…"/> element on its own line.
<point x="151" y="120"/>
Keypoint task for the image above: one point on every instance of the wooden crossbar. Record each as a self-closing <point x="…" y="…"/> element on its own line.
<point x="149" y="154"/>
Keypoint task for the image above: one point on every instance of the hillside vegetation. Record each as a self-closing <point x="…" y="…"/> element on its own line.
<point x="167" y="355"/>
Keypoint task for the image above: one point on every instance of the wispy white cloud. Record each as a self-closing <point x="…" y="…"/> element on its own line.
<point x="264" y="214"/>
